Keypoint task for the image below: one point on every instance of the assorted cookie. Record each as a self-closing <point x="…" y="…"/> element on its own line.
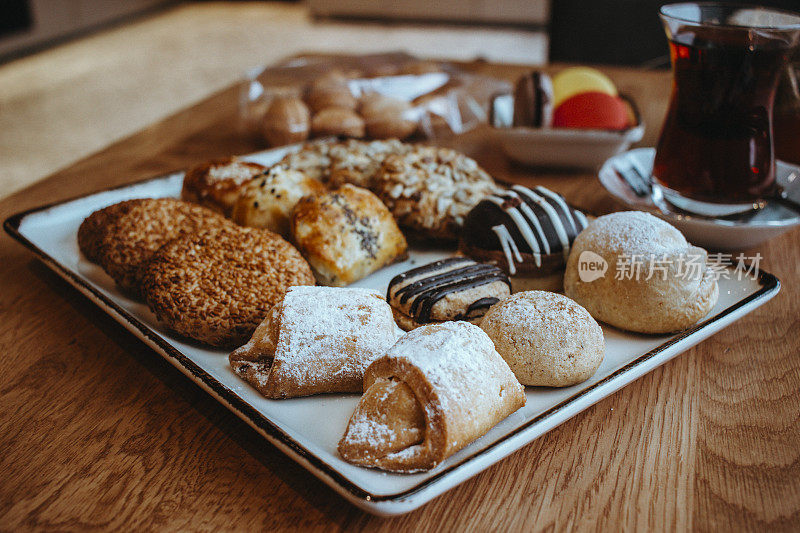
<point x="216" y="287"/>
<point x="547" y="339"/>
<point x="431" y="190"/>
<point x="457" y="288"/>
<point x="346" y="234"/>
<point x="646" y="278"/>
<point x="473" y="340"/>
<point x="123" y="237"/>
<point x="267" y="201"/>
<point x="341" y="103"/>
<point x="527" y="232"/>
<point x="217" y="184"/>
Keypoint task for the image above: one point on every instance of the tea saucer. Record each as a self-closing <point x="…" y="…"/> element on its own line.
<point x="725" y="233"/>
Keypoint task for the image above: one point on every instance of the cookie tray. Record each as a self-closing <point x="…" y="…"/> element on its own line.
<point x="308" y="429"/>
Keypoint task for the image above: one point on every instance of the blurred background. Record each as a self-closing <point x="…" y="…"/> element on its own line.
<point x="76" y="75"/>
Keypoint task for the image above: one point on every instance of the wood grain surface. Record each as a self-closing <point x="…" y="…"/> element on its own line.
<point x="99" y="432"/>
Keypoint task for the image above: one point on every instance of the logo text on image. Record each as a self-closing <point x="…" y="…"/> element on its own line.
<point x="591" y="266"/>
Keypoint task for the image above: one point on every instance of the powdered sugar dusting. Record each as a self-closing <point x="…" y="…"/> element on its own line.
<point x="635" y="232"/>
<point x="460" y="362"/>
<point x="340" y="330"/>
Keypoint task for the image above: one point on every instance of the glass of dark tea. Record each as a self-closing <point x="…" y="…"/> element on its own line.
<point x="786" y="119"/>
<point x="715" y="155"/>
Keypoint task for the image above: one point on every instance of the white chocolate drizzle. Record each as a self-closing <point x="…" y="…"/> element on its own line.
<point x="528" y="225"/>
<point x="558" y="224"/>
<point x="508" y="244"/>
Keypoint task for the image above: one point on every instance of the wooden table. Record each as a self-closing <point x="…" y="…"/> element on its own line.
<point x="97" y="431"/>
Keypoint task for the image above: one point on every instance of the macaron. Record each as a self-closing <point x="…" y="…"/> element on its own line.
<point x="576" y="80"/>
<point x="533" y="100"/>
<point x="592" y="110"/>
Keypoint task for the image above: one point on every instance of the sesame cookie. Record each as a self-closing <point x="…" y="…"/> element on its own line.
<point x="431" y="190"/>
<point x="93" y="229"/>
<point x="216" y="287"/>
<point x="216" y="184"/>
<point x="358" y="162"/>
<point x="133" y="236"/>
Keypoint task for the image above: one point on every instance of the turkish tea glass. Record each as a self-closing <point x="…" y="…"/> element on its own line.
<point x="715" y="155"/>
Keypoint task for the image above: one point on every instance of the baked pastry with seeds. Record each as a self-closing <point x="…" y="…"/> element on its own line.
<point x="431" y="190"/>
<point x="313" y="160"/>
<point x="358" y="162"/>
<point x="216" y="287"/>
<point x="456" y="288"/>
<point x="216" y="184"/>
<point x="267" y="201"/>
<point x="346" y="234"/>
<point x="93" y="229"/>
<point x="134" y="235"/>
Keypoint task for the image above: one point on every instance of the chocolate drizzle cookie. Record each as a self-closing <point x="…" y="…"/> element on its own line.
<point x="527" y="232"/>
<point x="457" y="288"/>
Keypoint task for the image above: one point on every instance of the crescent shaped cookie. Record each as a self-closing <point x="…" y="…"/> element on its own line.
<point x="437" y="389"/>
<point x="317" y="340"/>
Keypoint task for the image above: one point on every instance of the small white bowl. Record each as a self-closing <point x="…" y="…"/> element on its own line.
<point x="565" y="147"/>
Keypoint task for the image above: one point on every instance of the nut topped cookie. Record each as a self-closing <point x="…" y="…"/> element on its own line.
<point x="431" y="190"/>
<point x="358" y="162"/>
<point x="217" y="286"/>
<point x="456" y="288"/>
<point x="313" y="160"/>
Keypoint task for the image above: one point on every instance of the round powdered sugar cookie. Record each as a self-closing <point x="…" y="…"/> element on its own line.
<point x="431" y="190"/>
<point x="217" y="286"/>
<point x="132" y="236"/>
<point x="547" y="339"/>
<point x="358" y="162"/>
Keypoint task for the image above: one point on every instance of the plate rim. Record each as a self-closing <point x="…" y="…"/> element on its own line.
<point x="769" y="286"/>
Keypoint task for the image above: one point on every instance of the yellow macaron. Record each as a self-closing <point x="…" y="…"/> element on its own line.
<point x="576" y="80"/>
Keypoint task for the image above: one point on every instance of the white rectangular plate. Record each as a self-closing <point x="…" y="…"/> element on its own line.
<point x="308" y="429"/>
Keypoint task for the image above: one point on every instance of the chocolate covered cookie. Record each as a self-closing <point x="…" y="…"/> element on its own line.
<point x="456" y="288"/>
<point x="526" y="232"/>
